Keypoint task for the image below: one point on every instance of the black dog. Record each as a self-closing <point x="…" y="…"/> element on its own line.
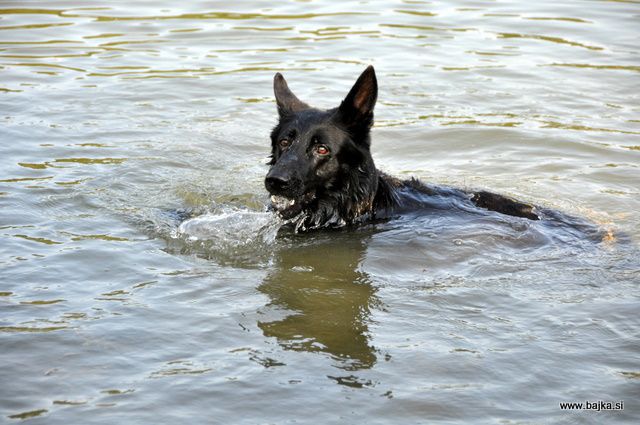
<point x="322" y="174"/>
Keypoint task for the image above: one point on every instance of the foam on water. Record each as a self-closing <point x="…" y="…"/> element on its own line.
<point x="231" y="228"/>
<point x="229" y="235"/>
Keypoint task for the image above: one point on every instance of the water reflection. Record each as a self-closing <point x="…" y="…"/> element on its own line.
<point x="326" y="298"/>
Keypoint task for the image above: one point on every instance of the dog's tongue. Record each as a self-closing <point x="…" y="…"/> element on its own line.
<point x="281" y="203"/>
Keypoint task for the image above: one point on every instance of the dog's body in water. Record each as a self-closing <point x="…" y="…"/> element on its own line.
<point x="322" y="173"/>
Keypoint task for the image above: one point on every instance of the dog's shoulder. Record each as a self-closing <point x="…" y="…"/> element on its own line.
<point x="387" y="197"/>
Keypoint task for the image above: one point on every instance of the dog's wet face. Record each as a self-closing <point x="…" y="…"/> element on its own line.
<point x="313" y="151"/>
<point x="308" y="159"/>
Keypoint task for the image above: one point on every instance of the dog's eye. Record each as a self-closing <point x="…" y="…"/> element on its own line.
<point x="322" y="150"/>
<point x="284" y="143"/>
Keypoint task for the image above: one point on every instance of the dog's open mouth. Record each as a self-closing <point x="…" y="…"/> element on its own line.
<point x="285" y="207"/>
<point x="288" y="208"/>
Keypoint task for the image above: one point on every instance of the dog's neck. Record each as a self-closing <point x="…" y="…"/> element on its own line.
<point x="360" y="198"/>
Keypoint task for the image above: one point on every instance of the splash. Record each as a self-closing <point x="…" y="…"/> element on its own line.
<point x="229" y="234"/>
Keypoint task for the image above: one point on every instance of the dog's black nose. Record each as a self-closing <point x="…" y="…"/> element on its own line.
<point x="276" y="184"/>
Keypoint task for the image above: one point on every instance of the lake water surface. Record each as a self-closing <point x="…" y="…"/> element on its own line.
<point x="115" y="116"/>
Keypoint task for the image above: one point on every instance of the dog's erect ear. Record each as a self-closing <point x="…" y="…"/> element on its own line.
<point x="287" y="102"/>
<point x="356" y="110"/>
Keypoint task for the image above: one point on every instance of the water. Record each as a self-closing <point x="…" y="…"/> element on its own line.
<point x="119" y="119"/>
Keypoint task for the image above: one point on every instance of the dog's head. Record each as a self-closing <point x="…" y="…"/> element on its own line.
<point x="318" y="156"/>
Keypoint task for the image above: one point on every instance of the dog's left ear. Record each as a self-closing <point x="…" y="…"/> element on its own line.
<point x="287" y="102"/>
<point x="356" y="110"/>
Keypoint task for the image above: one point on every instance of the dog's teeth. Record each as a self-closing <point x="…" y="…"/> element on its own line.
<point x="282" y="202"/>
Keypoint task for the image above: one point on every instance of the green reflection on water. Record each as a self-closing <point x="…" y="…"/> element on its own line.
<point x="34" y="166"/>
<point x="40" y="240"/>
<point x="544" y="18"/>
<point x="35" y="26"/>
<point x="607" y="67"/>
<point x="553" y="124"/>
<point x="41" y="302"/>
<point x="49" y="65"/>
<point x="29" y="414"/>
<point x="328" y="300"/>
<point x="557" y="40"/>
<point x="263" y="29"/>
<point x="415" y="12"/>
<point x="14" y="329"/>
<point x="69" y="402"/>
<point x="193" y="16"/>
<point x="106" y="35"/>
<point x="91" y="161"/>
<point x="98" y="237"/>
<point x="58" y="12"/>
<point x="424" y="27"/>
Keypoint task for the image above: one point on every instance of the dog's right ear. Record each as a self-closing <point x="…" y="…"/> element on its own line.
<point x="356" y="110"/>
<point x="287" y="102"/>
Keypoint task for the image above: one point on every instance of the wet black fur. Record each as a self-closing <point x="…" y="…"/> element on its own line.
<point x="343" y="187"/>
